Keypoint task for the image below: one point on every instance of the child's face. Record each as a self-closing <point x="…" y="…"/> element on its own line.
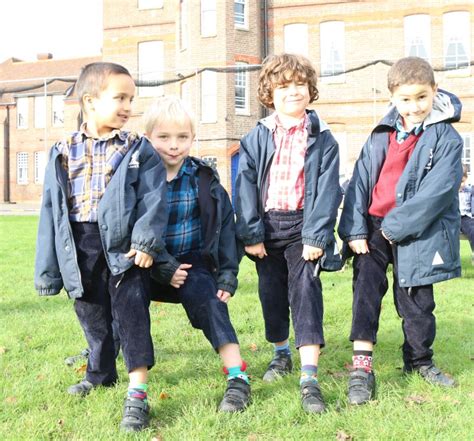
<point x="173" y="141"/>
<point x="414" y="102"/>
<point x="291" y="99"/>
<point x="112" y="108"/>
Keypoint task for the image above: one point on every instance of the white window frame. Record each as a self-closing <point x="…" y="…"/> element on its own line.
<point x="241" y="19"/>
<point x="467" y="154"/>
<point x="40" y="112"/>
<point x="295" y="36"/>
<point x="150" y="66"/>
<point x="183" y="25"/>
<point x="40" y="165"/>
<point x="208" y="96"/>
<point x="417" y="31"/>
<point x="150" y="4"/>
<point x="208" y="18"/>
<point x="332" y="41"/>
<point x="22" y="105"/>
<point x="456" y="30"/>
<point x="22" y="168"/>
<point x="57" y="110"/>
<point x="211" y="161"/>
<point x="241" y="82"/>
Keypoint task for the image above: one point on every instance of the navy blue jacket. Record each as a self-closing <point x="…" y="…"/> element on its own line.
<point x="425" y="221"/>
<point x="322" y="190"/>
<point x="217" y="232"/>
<point x="131" y="214"/>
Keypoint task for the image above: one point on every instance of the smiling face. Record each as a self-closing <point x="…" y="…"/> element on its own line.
<point x="172" y="140"/>
<point x="414" y="102"/>
<point x="291" y="99"/>
<point x="112" y="108"/>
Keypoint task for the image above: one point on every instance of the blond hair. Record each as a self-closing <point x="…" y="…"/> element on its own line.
<point x="168" y="109"/>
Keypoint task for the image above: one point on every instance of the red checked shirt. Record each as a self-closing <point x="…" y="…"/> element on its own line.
<point x="286" y="187"/>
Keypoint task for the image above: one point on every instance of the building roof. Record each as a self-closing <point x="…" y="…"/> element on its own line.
<point x="35" y="73"/>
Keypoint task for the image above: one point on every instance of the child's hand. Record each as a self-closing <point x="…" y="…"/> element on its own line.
<point x="257" y="250"/>
<point x="223" y="296"/>
<point x="143" y="260"/>
<point x="311" y="253"/>
<point x="359" y="246"/>
<point x="180" y="275"/>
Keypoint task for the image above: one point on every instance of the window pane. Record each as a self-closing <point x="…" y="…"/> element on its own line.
<point x="22" y="113"/>
<point x="150" y="66"/>
<point x="417" y="29"/>
<point x="241" y="86"/>
<point x="22" y="168"/>
<point x="457" y="50"/>
<point x="208" y="18"/>
<point x="208" y="96"/>
<point x="332" y="49"/>
<point x="57" y="110"/>
<point x="296" y="38"/>
<point x="40" y="165"/>
<point x="239" y="12"/>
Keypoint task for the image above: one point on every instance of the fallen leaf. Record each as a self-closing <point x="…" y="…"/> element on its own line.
<point x="163" y="395"/>
<point x="60" y="422"/>
<point x="81" y="369"/>
<point x="343" y="436"/>
<point x="157" y="438"/>
<point x="253" y="347"/>
<point x="416" y="399"/>
<point x="11" y="400"/>
<point x="252" y="437"/>
<point x="40" y="377"/>
<point x="3" y="350"/>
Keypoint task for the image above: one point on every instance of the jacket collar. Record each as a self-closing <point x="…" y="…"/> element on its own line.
<point x="314" y="125"/>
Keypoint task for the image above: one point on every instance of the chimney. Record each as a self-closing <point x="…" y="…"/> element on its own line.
<point x="44" y="56"/>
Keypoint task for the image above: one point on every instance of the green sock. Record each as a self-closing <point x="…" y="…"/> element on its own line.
<point x="138" y="391"/>
<point x="237" y="372"/>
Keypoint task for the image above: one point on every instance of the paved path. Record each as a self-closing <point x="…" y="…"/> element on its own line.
<point x="20" y="209"/>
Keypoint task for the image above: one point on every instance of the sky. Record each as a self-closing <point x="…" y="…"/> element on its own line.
<point x="65" y="28"/>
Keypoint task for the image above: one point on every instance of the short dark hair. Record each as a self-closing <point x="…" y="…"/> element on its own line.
<point x="410" y="70"/>
<point x="282" y="69"/>
<point x="94" y="77"/>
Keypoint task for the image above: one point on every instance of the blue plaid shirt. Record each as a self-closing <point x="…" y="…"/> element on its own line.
<point x="402" y="134"/>
<point x="90" y="164"/>
<point x="183" y="234"/>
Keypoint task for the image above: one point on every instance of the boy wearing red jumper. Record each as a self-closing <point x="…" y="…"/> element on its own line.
<point x="401" y="207"/>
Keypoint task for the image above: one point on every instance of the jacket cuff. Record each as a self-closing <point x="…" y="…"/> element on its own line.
<point x="314" y="242"/>
<point x="355" y="237"/>
<point x="163" y="272"/>
<point x="47" y="291"/>
<point x="145" y="249"/>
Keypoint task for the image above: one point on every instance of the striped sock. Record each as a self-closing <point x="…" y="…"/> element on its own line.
<point x="138" y="391"/>
<point x="309" y="374"/>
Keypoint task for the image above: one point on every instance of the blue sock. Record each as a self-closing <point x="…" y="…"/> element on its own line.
<point x="309" y="374"/>
<point x="285" y="349"/>
<point x="237" y="372"/>
<point x="138" y="392"/>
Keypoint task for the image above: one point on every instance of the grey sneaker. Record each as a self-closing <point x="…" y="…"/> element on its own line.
<point x="280" y="365"/>
<point x="435" y="376"/>
<point x="236" y="397"/>
<point x="312" y="398"/>
<point x="361" y="386"/>
<point x="136" y="415"/>
<point x="82" y="388"/>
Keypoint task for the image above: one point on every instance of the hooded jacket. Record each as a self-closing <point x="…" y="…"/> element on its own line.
<point x="132" y="213"/>
<point x="322" y="193"/>
<point x="425" y="221"/>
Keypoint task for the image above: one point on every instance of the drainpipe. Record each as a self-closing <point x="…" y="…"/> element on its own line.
<point x="6" y="157"/>
<point x="265" y="111"/>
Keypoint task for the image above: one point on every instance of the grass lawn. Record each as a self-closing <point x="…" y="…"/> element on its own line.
<point x="186" y="384"/>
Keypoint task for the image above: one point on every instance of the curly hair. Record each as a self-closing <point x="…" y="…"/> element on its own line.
<point x="282" y="69"/>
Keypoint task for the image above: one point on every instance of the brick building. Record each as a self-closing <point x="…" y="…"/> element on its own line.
<point x="171" y="42"/>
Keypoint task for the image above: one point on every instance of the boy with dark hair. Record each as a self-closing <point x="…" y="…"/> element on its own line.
<point x="401" y="207"/>
<point x="287" y="197"/>
<point x="102" y="218"/>
<point x="200" y="236"/>
<point x="466" y="207"/>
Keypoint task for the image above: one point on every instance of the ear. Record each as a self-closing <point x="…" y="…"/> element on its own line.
<point x="435" y="88"/>
<point x="88" y="102"/>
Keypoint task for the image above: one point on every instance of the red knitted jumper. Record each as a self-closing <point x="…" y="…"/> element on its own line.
<point x="383" y="195"/>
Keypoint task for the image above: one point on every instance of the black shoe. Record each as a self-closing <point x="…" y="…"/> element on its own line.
<point x="84" y="355"/>
<point x="236" y="397"/>
<point x="82" y="388"/>
<point x="135" y="415"/>
<point x="311" y="397"/>
<point x="361" y="386"/>
<point x="433" y="375"/>
<point x="280" y="365"/>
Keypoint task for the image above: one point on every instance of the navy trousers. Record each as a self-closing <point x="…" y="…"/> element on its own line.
<point x="286" y="283"/>
<point x="122" y="299"/>
<point x="198" y="297"/>
<point x="415" y="306"/>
